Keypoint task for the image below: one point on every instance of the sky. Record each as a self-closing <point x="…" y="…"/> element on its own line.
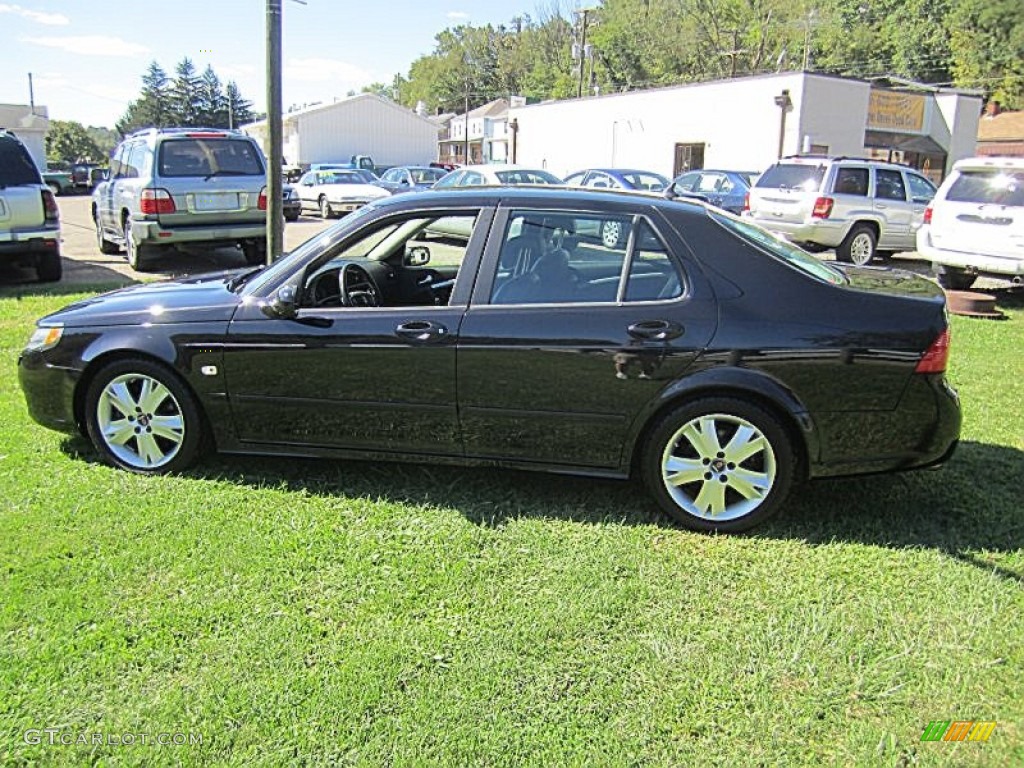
<point x="87" y="57"/>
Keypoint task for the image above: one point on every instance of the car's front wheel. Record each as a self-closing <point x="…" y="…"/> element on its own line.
<point x="325" y="208"/>
<point x="141" y="417"/>
<point x="718" y="464"/>
<point x="106" y="246"/>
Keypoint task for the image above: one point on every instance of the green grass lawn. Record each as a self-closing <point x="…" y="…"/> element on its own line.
<point x="317" y="613"/>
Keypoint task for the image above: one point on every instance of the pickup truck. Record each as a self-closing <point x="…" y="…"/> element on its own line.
<point x="355" y="162"/>
<point x="59" y="181"/>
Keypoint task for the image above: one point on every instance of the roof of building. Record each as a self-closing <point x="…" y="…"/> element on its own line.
<point x="1006" y="126"/>
<point x="22" y="117"/>
<point x="342" y="103"/>
<point x="495" y="108"/>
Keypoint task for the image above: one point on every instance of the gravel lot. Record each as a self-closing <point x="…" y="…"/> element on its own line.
<point x="84" y="264"/>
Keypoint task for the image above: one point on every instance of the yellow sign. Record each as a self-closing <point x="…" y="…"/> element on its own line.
<point x="896" y="111"/>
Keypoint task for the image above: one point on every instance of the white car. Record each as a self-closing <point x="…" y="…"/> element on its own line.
<point x="975" y="224"/>
<point x="495" y="175"/>
<point x="335" y="192"/>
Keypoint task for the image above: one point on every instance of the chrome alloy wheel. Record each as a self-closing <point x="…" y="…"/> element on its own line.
<point x="718" y="467"/>
<point x="861" y="249"/>
<point x="140" y="421"/>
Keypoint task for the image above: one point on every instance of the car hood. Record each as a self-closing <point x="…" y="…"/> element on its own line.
<point x="892" y="282"/>
<point x="353" y="190"/>
<point x="198" y="299"/>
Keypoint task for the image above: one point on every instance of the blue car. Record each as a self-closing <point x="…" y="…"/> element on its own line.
<point x="723" y="189"/>
<point x="618" y="178"/>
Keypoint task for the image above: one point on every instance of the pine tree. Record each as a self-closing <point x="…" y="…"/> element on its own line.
<point x="185" y="93"/>
<point x="213" y="105"/>
<point x="239" y="108"/>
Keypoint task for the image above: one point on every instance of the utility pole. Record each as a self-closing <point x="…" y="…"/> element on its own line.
<point x="583" y="48"/>
<point x="465" y="127"/>
<point x="31" y="96"/>
<point x="275" y="201"/>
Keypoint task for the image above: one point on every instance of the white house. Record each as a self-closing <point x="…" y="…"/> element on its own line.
<point x="365" y="124"/>
<point x="485" y="133"/>
<point x="747" y="123"/>
<point x="30" y="124"/>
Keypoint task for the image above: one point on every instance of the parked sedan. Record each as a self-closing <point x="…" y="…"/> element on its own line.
<point x="716" y="361"/>
<point x="336" y="192"/>
<point x="495" y="175"/>
<point x="618" y="178"/>
<point x="410" y="178"/>
<point x="292" y="205"/>
<point x="725" y="189"/>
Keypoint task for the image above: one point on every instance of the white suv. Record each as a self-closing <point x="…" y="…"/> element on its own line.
<point x="29" y="219"/>
<point x="975" y="224"/>
<point x="860" y="207"/>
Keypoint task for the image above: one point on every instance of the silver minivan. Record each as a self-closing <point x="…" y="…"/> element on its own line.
<point x="182" y="187"/>
<point x="29" y="218"/>
<point x="860" y="207"/>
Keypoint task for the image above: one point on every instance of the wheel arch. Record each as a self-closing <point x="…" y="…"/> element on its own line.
<point x="96" y="361"/>
<point x="754" y="387"/>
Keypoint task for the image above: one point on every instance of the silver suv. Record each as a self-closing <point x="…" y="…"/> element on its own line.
<point x="860" y="207"/>
<point x="29" y="218"/>
<point x="182" y="186"/>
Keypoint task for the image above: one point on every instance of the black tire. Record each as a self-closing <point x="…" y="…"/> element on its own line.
<point x="132" y="454"/>
<point x="133" y="252"/>
<point x="106" y="246"/>
<point x="291" y="217"/>
<point x="766" y="473"/>
<point x="953" y="279"/>
<point x="859" y="246"/>
<point x="49" y="267"/>
<point x="255" y="254"/>
<point x="326" y="211"/>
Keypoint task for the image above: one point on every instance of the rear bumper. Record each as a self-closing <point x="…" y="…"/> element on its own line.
<point x="153" y="233"/>
<point x="35" y="241"/>
<point x="972" y="262"/>
<point x="827" y="232"/>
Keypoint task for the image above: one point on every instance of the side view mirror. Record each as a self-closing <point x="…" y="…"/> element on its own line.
<point x="417" y="256"/>
<point x="284" y="305"/>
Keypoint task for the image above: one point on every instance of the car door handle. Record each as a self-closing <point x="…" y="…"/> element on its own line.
<point x="655" y="330"/>
<point x="422" y="331"/>
<point x="881" y="207"/>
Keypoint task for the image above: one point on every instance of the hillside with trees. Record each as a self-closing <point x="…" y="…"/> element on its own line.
<point x="635" y="44"/>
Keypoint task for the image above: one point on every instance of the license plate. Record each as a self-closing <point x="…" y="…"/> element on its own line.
<point x="215" y="201"/>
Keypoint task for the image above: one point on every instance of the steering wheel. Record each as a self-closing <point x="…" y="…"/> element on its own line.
<point x="357" y="287"/>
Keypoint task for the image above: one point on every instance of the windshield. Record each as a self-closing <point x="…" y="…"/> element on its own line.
<point x="334" y="177"/>
<point x="779" y="248"/>
<point x="994" y="187"/>
<point x="793" y="176"/>
<point x="426" y="175"/>
<point x="522" y="176"/>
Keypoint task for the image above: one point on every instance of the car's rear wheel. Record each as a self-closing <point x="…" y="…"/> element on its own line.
<point x="142" y="418"/>
<point x="325" y="208"/>
<point x="859" y="246"/>
<point x="254" y="253"/>
<point x="718" y="464"/>
<point x="105" y="246"/>
<point x="133" y="251"/>
<point x="953" y="279"/>
<point x="292" y="217"/>
<point x="49" y="268"/>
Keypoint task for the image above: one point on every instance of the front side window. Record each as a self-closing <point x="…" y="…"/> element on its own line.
<point x="550" y="257"/>
<point x="450" y="180"/>
<point x="921" y="190"/>
<point x="523" y="176"/>
<point x="209" y="157"/>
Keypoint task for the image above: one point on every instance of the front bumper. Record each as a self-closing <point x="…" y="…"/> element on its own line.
<point x="970" y="261"/>
<point x="49" y="391"/>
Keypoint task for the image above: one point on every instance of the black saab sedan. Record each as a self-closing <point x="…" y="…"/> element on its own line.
<point x="495" y="326"/>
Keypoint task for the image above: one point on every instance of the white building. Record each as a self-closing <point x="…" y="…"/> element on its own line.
<point x="366" y="124"/>
<point x="485" y="133"/>
<point x="747" y="123"/>
<point x="30" y="125"/>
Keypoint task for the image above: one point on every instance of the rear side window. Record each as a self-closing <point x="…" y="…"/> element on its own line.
<point x="851" y="181"/>
<point x="527" y="177"/>
<point x="209" y="157"/>
<point x="994" y="187"/>
<point x="16" y="166"/>
<point x="806" y="177"/>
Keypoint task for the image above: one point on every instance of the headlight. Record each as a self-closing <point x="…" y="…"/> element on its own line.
<point x="45" y="338"/>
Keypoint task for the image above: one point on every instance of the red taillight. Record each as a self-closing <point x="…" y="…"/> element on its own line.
<point x="822" y="208"/>
<point x="936" y="356"/>
<point x="50" y="210"/>
<point x="262" y="202"/>
<point x="156" y="201"/>
<point x="928" y="215"/>
<point x="746" y="202"/>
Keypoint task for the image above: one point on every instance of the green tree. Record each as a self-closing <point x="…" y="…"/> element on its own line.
<point x="153" y="107"/>
<point x="987" y="42"/>
<point x="186" y="93"/>
<point x="239" y="108"/>
<point x="212" y="103"/>
<point x="68" y="142"/>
